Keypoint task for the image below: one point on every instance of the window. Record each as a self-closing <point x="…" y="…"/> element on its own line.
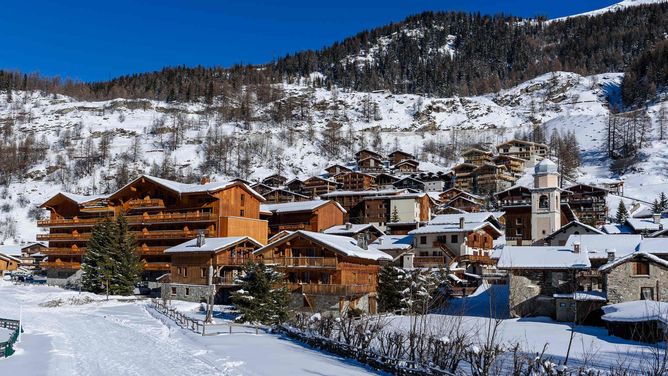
<point x="179" y="271"/>
<point x="185" y="272"/>
<point x="423" y="240"/>
<point x="187" y="291"/>
<point x="543" y="202"/>
<point x="646" y="293"/>
<point x="641" y="268"/>
<point x="243" y="199"/>
<point x="518" y="231"/>
<point x="202" y="272"/>
<point x="173" y="290"/>
<point x="518" y="221"/>
<point x="242" y="212"/>
<point x="454" y="239"/>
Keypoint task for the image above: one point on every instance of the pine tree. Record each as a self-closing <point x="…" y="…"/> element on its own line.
<point x="622" y="213"/>
<point x="656" y="207"/>
<point x="263" y="296"/>
<point x="391" y="282"/>
<point x="95" y="256"/>
<point x="395" y="215"/>
<point x="127" y="259"/>
<point x="663" y="201"/>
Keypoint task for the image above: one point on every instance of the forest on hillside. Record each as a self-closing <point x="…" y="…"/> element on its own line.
<point x="432" y="53"/>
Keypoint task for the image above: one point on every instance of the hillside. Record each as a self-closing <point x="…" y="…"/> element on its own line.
<point x="187" y="141"/>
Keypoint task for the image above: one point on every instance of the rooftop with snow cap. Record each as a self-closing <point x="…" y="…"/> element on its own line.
<point x="343" y="245"/>
<point x="454" y="228"/>
<point x="598" y="245"/>
<point x="546" y="257"/>
<point x="545" y="166"/>
<point x="210" y="245"/>
<point x="633" y="256"/>
<point x="392" y="242"/>
<point x="636" y="311"/>
<point x="297" y="206"/>
<point x="350" y="228"/>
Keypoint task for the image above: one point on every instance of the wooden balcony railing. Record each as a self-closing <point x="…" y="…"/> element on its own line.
<point x="428" y="261"/>
<point x="151" y="203"/>
<point x="304" y="262"/>
<point x="157" y="266"/>
<point x="133" y="219"/>
<point x="478" y="259"/>
<point x="290" y="227"/>
<point x="168" y="234"/>
<point x="68" y="222"/>
<point x="330" y="289"/>
<point x="235" y="261"/>
<point x="64" y="251"/>
<point x="71" y="237"/>
<point x="60" y="265"/>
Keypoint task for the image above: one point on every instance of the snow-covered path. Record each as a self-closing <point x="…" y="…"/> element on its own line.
<point x="122" y="338"/>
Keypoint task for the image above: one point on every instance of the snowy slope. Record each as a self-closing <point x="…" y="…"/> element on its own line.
<point x="563" y="101"/>
<point x="612" y="8"/>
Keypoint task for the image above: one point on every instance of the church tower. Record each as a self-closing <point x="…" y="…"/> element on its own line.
<point x="545" y="200"/>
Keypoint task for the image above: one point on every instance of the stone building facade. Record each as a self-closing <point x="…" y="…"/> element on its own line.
<point x="636" y="277"/>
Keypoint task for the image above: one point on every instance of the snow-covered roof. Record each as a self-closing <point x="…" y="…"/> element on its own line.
<point x="583" y="296"/>
<point x="76" y="198"/>
<point x="187" y="188"/>
<point x="211" y="245"/>
<point x="16" y="249"/>
<point x="654" y="245"/>
<point x="636" y="311"/>
<point x="468" y="217"/>
<point x="392" y="242"/>
<point x="616" y="229"/>
<point x="633" y="256"/>
<point x="364" y="193"/>
<point x="297" y="206"/>
<point x="10" y="257"/>
<point x="453" y="228"/>
<point x="598" y="245"/>
<point x="344" y="245"/>
<point x="547" y="257"/>
<point x="354" y="229"/>
<point x="575" y="223"/>
<point x="647" y="224"/>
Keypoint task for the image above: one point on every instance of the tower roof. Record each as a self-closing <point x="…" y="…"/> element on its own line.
<point x="545" y="166"/>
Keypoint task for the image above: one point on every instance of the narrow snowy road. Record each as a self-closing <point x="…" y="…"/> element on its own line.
<point x="122" y="338"/>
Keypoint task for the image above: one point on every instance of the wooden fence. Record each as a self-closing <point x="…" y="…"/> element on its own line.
<point x="7" y="347"/>
<point x="199" y="326"/>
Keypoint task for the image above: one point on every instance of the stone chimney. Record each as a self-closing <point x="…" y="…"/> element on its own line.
<point x="657" y="218"/>
<point x="349" y="226"/>
<point x="204" y="180"/>
<point x="611" y="255"/>
<point x="576" y="247"/>
<point x="380" y="241"/>
<point x="461" y="222"/>
<point x="200" y="239"/>
<point x="362" y="241"/>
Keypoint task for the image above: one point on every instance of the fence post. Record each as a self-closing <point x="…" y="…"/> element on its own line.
<point x="230" y="328"/>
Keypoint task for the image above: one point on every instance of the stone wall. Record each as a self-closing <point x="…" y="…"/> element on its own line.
<point x="326" y="303"/>
<point x="531" y="291"/>
<point x="188" y="293"/>
<point x="623" y="286"/>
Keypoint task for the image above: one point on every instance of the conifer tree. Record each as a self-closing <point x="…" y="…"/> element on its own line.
<point x="395" y="215"/>
<point x="656" y="207"/>
<point x="391" y="282"/>
<point x="622" y="213"/>
<point x="663" y="201"/>
<point x="263" y="297"/>
<point x="125" y="253"/>
<point x="94" y="258"/>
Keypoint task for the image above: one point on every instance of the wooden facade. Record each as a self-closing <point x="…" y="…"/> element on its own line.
<point x="337" y="169"/>
<point x="160" y="214"/>
<point x="588" y="202"/>
<point x="317" y="186"/>
<point x="275" y="180"/>
<point x="317" y="217"/>
<point x="398" y="156"/>
<point x="406" y="166"/>
<point x="278" y="196"/>
<point x="366" y="153"/>
<point x="526" y="150"/>
<point x="355" y="181"/>
<point x="8" y="263"/>
<point x="371" y="164"/>
<point x="477" y="157"/>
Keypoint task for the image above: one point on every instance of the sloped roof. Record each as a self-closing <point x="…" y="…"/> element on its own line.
<point x="453" y="228"/>
<point x="16" y="249"/>
<point x="647" y="224"/>
<point x="570" y="224"/>
<point x="76" y="198"/>
<point x="633" y="256"/>
<point x="468" y="217"/>
<point x="186" y="188"/>
<point x="354" y="229"/>
<point x="297" y="206"/>
<point x="616" y="229"/>
<point x="382" y="192"/>
<point x="598" y="245"/>
<point x="344" y="245"/>
<point x="393" y="242"/>
<point x="9" y="257"/>
<point x="636" y="311"/>
<point x="654" y="245"/>
<point x="211" y="245"/>
<point x="530" y="257"/>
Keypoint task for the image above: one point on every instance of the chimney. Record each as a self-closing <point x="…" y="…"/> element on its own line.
<point x="657" y="218"/>
<point x="204" y="180"/>
<point x="576" y="247"/>
<point x="461" y="222"/>
<point x="349" y="226"/>
<point x="362" y="241"/>
<point x="380" y="240"/>
<point x="200" y="238"/>
<point x="611" y="255"/>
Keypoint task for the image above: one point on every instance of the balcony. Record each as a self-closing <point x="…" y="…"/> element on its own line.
<point x="68" y="222"/>
<point x="428" y="261"/>
<point x="290" y="227"/>
<point x="61" y="265"/>
<point x="169" y="234"/>
<point x="331" y="289"/>
<point x="477" y="259"/>
<point x="190" y="217"/>
<point x="304" y="262"/>
<point x="157" y="266"/>
<point x="235" y="261"/>
<point x="64" y="251"/>
<point x="64" y="237"/>
<point x="149" y="203"/>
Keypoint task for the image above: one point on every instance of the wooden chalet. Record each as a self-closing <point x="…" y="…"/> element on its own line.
<point x="386" y="181"/>
<point x="406" y="166"/>
<point x="464" y="203"/>
<point x="514" y="165"/>
<point x="410" y="183"/>
<point x="8" y="263"/>
<point x="31" y="254"/>
<point x="380" y="210"/>
<point x="435" y="182"/>
<point x="317" y="186"/>
<point x="477" y="157"/>
<point x="336" y="169"/>
<point x="349" y="199"/>
<point x="451" y="193"/>
<point x="160" y="214"/>
<point x="491" y="178"/>
<point x="313" y="215"/>
<point x="355" y="181"/>
<point x="205" y="267"/>
<point x="366" y="153"/>
<point x="398" y="156"/>
<point x="275" y="180"/>
<point x="464" y="176"/>
<point x="527" y="150"/>
<point x="262" y="188"/>
<point x="588" y="202"/>
<point x="326" y="272"/>
<point x="371" y="164"/>
<point x="355" y="230"/>
<point x="295" y="185"/>
<point x="279" y="195"/>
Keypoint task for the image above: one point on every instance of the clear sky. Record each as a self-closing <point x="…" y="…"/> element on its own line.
<point x="98" y="40"/>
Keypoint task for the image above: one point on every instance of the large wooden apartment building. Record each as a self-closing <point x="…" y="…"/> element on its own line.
<point x="161" y="214"/>
<point x="313" y="215"/>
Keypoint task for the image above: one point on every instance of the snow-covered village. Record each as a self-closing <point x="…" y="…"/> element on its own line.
<point x="431" y="189"/>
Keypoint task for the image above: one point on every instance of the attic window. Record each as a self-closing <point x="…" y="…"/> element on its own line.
<point x="641" y="268"/>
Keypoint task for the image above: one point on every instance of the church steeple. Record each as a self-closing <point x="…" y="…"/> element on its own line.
<point x="545" y="200"/>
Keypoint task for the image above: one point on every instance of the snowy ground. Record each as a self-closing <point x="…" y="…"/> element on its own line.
<point x="123" y="338"/>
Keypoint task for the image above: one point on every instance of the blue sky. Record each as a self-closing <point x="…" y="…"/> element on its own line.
<point x="99" y="40"/>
